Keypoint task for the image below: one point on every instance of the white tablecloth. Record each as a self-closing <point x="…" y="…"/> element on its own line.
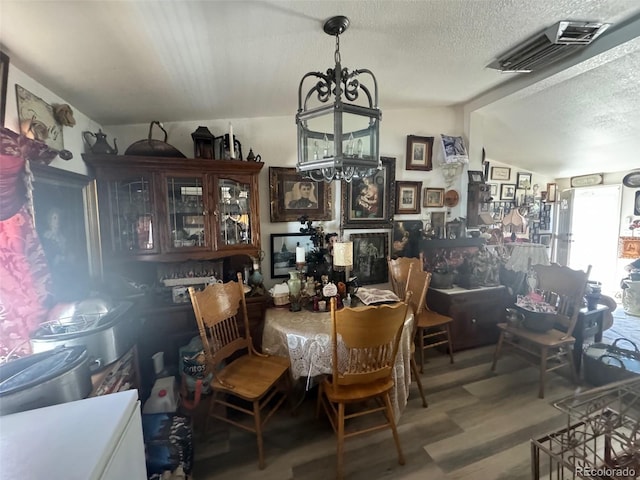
<point x="305" y="337"/>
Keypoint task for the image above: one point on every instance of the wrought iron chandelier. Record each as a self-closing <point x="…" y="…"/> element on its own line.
<point x="338" y="140"/>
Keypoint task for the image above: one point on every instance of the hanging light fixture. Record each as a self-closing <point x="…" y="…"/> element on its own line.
<point x="338" y="140"/>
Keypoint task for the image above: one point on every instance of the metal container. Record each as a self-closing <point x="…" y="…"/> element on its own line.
<point x="106" y="340"/>
<point x="43" y="379"/>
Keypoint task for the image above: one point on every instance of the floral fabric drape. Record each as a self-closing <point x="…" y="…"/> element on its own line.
<point x="24" y="275"/>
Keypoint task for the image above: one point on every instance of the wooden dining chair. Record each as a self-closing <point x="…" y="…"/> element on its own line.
<point x="563" y="288"/>
<point x="257" y="379"/>
<point x="365" y="343"/>
<point x="399" y="272"/>
<point x="418" y="284"/>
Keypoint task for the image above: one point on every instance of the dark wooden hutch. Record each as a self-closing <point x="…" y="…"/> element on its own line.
<point x="158" y="214"/>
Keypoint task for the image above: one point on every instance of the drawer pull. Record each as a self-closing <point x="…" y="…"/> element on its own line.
<point x="473" y="320"/>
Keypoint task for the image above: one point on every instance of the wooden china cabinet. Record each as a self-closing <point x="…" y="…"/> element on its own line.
<point x="157" y="211"/>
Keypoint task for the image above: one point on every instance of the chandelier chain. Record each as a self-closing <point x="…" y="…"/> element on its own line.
<point x="336" y="55"/>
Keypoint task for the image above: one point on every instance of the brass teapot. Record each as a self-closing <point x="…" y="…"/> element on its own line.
<point x="100" y="144"/>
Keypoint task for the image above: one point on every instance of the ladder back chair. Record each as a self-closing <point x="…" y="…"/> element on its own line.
<point x="399" y="272"/>
<point x="365" y="343"/>
<point x="418" y="284"/>
<point x="564" y="289"/>
<point x="259" y="380"/>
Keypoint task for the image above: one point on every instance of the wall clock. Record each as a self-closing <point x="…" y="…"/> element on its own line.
<point x="37" y="120"/>
<point x="451" y="198"/>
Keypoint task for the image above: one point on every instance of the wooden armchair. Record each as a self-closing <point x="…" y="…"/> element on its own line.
<point x="257" y="379"/>
<point x="363" y="366"/>
<point x="564" y="288"/>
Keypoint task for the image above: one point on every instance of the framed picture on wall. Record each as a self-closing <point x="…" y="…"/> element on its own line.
<point x="408" y="197"/>
<point x="370" y="251"/>
<point x="500" y="173"/>
<point x="552" y="191"/>
<point x="507" y="191"/>
<point x="523" y="181"/>
<point x="419" y="152"/>
<point x="37" y="119"/>
<point x="59" y="206"/>
<point x="4" y="77"/>
<point x="433" y="197"/>
<point x="283" y="252"/>
<point x="293" y="196"/>
<point x="368" y="202"/>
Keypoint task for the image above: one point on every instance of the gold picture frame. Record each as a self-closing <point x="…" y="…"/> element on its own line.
<point x="293" y="196"/>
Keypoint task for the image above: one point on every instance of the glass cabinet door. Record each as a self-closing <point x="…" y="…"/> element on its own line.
<point x="132" y="222"/>
<point x="233" y="216"/>
<point x="186" y="212"/>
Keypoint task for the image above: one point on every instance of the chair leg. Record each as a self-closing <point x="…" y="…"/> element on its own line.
<point x="394" y="430"/>
<point x="340" y="439"/>
<point x="496" y="354"/>
<point x="212" y="406"/>
<point x="414" y="369"/>
<point x="543" y="370"/>
<point x="572" y="366"/>
<point x="258" y="422"/>
<point x="450" y="341"/>
<point x="421" y="346"/>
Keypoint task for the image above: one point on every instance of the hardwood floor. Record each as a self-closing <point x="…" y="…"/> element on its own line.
<point x="478" y="425"/>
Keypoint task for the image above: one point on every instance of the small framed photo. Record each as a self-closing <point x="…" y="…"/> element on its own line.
<point x="500" y="173"/>
<point x="629" y="247"/>
<point x="552" y="191"/>
<point x="283" y="252"/>
<point x="433" y="197"/>
<point x="493" y="190"/>
<point x="523" y="181"/>
<point x="508" y="191"/>
<point x="419" y="152"/>
<point x="476" y="176"/>
<point x="408" y="197"/>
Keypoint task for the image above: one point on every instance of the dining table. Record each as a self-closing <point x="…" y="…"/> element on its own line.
<point x="305" y="338"/>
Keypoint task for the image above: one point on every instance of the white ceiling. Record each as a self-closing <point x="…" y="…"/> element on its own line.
<point x="131" y="61"/>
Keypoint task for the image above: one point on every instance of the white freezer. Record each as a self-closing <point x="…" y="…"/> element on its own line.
<point x="96" y="438"/>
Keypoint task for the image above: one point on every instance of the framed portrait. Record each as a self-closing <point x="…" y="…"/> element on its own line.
<point x="437" y="223"/>
<point x="4" y="77"/>
<point x="433" y="197"/>
<point x="368" y="202"/>
<point x="419" y="152"/>
<point x="370" y="251"/>
<point x="523" y="181"/>
<point x="629" y="247"/>
<point x="293" y="196"/>
<point x="407" y="235"/>
<point x="283" y="252"/>
<point x="37" y="120"/>
<point x="493" y="190"/>
<point x="408" y="197"/>
<point x="59" y="206"/>
<point x="500" y="173"/>
<point x="507" y="191"/>
<point x="475" y="176"/>
<point x="552" y="192"/>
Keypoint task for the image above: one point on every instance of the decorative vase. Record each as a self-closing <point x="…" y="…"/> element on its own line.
<point x="255" y="280"/>
<point x="295" y="287"/>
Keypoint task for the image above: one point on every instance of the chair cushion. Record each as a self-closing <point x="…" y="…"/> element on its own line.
<point x="552" y="338"/>
<point x="251" y="376"/>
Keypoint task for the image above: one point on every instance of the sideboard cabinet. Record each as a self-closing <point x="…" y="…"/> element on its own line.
<point x="475" y="313"/>
<point x="172" y="209"/>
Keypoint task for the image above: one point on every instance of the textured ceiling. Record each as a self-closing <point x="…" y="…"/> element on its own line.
<point x="123" y="62"/>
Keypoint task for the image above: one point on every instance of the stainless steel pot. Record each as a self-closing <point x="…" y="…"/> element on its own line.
<point x="106" y="340"/>
<point x="42" y="379"/>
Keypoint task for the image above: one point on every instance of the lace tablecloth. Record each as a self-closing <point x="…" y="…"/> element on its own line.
<point x="305" y="337"/>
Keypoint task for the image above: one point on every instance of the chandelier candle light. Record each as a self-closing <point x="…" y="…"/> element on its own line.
<point x="338" y="140"/>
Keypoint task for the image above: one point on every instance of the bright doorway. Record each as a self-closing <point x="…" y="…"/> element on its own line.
<point x="595" y="223"/>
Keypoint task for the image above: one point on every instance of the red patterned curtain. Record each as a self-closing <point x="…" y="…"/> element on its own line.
<point x="24" y="276"/>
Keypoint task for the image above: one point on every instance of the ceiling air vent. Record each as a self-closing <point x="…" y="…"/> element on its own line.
<point x="555" y="42"/>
